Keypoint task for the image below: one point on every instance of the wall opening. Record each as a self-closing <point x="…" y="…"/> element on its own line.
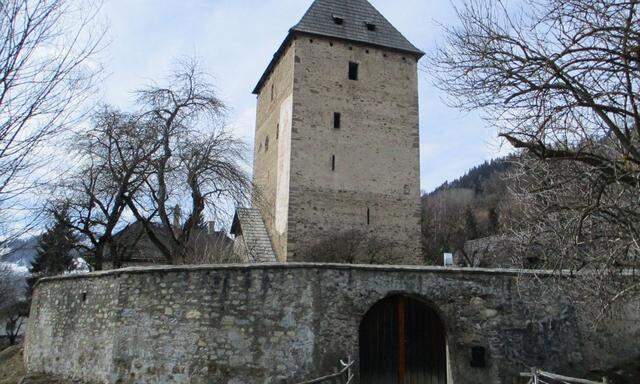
<point x="353" y="71"/>
<point x="336" y="120"/>
<point x="333" y="162"/>
<point x="402" y="340"/>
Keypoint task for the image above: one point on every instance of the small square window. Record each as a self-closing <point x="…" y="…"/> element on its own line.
<point x="353" y="71"/>
<point x="339" y="20"/>
<point x="336" y="120"/>
<point x="371" y="27"/>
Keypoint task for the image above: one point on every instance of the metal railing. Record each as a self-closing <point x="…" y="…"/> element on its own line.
<point x="344" y="373"/>
<point x="541" y="377"/>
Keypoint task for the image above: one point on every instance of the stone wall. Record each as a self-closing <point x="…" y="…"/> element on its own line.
<point x="72" y="328"/>
<point x="288" y="322"/>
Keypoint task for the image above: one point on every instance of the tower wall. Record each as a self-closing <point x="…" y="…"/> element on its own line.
<point x="376" y="148"/>
<point x="272" y="150"/>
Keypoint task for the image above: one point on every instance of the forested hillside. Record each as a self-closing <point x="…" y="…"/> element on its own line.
<point x="470" y="207"/>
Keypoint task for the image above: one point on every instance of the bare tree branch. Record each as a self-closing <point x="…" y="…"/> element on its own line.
<point x="46" y="69"/>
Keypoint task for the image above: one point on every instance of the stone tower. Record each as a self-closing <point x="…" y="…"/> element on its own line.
<point x="336" y="141"/>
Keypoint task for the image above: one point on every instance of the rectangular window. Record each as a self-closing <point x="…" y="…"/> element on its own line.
<point x="368" y="216"/>
<point x="353" y="71"/>
<point x="336" y="120"/>
<point x="272" y="90"/>
<point x="333" y="162"/>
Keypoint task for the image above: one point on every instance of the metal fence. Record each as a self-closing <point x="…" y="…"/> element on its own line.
<point x="541" y="377"/>
<point x="344" y="376"/>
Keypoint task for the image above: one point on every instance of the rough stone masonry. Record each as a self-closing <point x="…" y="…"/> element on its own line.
<point x="285" y="323"/>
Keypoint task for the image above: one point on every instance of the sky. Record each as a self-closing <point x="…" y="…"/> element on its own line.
<point x="234" y="40"/>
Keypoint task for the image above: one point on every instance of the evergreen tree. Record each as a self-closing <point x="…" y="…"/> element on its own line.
<point x="470" y="225"/>
<point x="494" y="221"/>
<point x="54" y="251"/>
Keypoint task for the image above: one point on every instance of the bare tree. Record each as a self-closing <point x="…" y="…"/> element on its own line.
<point x="8" y="288"/>
<point x="349" y="247"/>
<point x="12" y="305"/>
<point x="15" y="315"/>
<point x="442" y="222"/>
<point x="46" y="69"/>
<point x="115" y="159"/>
<point x="200" y="163"/>
<point x="211" y="248"/>
<point x="561" y="79"/>
<point x="570" y="219"/>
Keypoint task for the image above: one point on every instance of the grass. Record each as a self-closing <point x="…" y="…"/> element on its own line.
<point x="11" y="365"/>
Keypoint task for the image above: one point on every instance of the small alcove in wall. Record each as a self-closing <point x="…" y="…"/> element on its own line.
<point x="402" y="340"/>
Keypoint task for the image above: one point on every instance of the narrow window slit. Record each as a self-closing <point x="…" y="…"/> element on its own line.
<point x="353" y="71"/>
<point x="336" y="120"/>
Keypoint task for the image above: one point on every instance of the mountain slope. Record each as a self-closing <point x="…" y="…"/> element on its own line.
<point x="465" y="209"/>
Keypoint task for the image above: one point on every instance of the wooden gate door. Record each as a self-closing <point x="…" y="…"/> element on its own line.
<point x="402" y="341"/>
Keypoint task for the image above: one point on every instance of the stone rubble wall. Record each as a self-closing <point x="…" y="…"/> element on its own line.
<point x="285" y="323"/>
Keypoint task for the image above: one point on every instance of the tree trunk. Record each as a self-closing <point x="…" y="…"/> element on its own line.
<point x="99" y="257"/>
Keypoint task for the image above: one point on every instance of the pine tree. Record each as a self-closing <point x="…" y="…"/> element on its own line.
<point x="54" y="251"/>
<point x="470" y="225"/>
<point x="494" y="221"/>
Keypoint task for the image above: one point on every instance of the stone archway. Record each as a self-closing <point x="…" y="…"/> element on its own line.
<point x="402" y="341"/>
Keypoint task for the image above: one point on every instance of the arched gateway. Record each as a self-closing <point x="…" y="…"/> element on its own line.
<point x="402" y="340"/>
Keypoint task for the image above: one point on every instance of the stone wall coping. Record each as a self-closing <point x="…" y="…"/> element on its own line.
<point x="324" y="266"/>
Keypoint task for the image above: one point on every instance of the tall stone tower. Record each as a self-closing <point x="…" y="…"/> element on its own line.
<point x="336" y="141"/>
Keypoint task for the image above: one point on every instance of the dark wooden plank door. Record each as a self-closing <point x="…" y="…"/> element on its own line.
<point x="402" y="341"/>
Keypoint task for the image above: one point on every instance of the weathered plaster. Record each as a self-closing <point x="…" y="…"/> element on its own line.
<point x="284" y="165"/>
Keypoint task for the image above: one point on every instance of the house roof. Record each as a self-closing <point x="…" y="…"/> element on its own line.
<point x="248" y="222"/>
<point x="136" y="245"/>
<point x="355" y="15"/>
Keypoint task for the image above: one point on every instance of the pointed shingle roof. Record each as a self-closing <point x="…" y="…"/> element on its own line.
<point x="355" y="15"/>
